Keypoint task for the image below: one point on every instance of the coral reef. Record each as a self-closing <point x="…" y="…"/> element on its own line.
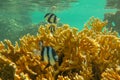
<point x="90" y="54"/>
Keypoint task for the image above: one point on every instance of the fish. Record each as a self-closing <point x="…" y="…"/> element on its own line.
<point x="52" y="29"/>
<point x="51" y="18"/>
<point x="48" y="55"/>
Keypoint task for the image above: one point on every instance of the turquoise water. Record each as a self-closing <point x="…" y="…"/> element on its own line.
<point x="79" y="13"/>
<point x="18" y="18"/>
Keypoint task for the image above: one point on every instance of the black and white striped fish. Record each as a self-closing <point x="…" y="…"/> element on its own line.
<point x="48" y="54"/>
<point x="51" y="18"/>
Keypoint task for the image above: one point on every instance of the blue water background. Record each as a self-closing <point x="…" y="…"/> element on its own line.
<point x="78" y="14"/>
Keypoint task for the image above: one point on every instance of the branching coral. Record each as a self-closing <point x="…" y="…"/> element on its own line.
<point x="85" y="55"/>
<point x="110" y="74"/>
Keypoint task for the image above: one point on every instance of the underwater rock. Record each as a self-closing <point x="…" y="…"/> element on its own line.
<point x="113" y="4"/>
<point x="113" y="20"/>
<point x="90" y="54"/>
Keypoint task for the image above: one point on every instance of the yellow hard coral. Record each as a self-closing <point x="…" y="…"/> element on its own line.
<point x="85" y="55"/>
<point x="7" y="68"/>
<point x="109" y="46"/>
<point x="1" y="45"/>
<point x="28" y="43"/>
<point x="110" y="74"/>
<point x="89" y="45"/>
<point x="96" y="24"/>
